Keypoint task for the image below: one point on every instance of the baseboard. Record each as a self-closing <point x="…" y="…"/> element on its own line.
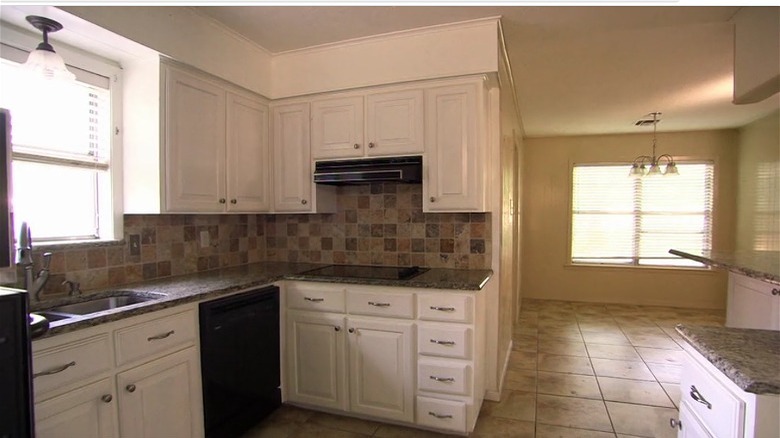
<point x="496" y="395"/>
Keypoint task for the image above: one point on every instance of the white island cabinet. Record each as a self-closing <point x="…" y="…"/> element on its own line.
<point x="138" y="376"/>
<point x="752" y="303"/>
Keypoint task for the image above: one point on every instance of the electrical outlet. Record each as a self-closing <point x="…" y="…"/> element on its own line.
<point x="204" y="239"/>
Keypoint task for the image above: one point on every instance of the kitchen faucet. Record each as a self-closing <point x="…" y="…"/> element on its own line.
<point x="24" y="259"/>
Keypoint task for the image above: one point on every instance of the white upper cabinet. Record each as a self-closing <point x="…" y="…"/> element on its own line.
<point x="292" y="162"/>
<point x="389" y="124"/>
<point x="194" y="144"/>
<point x="216" y="147"/>
<point x="248" y="155"/>
<point x="456" y="148"/>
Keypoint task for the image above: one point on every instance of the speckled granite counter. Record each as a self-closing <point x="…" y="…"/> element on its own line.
<point x="763" y="265"/>
<point x="750" y="358"/>
<point x="212" y="284"/>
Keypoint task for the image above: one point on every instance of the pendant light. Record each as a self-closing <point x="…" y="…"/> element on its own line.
<point x="638" y="169"/>
<point x="44" y="61"/>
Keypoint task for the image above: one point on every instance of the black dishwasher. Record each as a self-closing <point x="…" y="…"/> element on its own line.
<point x="239" y="356"/>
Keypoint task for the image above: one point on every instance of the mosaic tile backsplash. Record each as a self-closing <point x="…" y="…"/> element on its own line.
<point x="378" y="224"/>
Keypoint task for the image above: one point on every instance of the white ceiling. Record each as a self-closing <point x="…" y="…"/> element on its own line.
<point x="578" y="70"/>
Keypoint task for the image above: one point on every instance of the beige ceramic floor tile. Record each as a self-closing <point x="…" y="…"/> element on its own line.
<point x="624" y="369"/>
<point x="290" y="413"/>
<point x="578" y="413"/>
<point x="563" y="348"/>
<point x="653" y="341"/>
<point x="643" y="331"/>
<point x="599" y="327"/>
<point x="665" y="373"/>
<point x="659" y="355"/>
<point x="522" y="359"/>
<point x="347" y="424"/>
<point x="570" y="385"/>
<point x="548" y="431"/>
<point x="516" y="405"/>
<point x="272" y="429"/>
<point x="496" y="427"/>
<point x="605" y="338"/>
<point x="673" y="391"/>
<point x="393" y="431"/>
<point x="646" y="421"/>
<point x="520" y="380"/>
<point x="634" y="391"/>
<point x="618" y="352"/>
<point x="564" y="364"/>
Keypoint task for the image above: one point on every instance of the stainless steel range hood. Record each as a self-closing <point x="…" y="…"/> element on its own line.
<point x="364" y="171"/>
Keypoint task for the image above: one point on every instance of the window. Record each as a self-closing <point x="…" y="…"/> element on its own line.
<point x="617" y="220"/>
<point x="62" y="144"/>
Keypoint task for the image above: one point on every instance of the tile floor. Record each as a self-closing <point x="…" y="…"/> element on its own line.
<point x="579" y="370"/>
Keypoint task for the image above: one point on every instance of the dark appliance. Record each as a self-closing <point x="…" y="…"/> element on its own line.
<point x="16" y="400"/>
<point x="239" y="356"/>
<point x="364" y="171"/>
<point x="366" y="271"/>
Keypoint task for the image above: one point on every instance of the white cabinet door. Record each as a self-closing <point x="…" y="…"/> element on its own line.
<point x="381" y="372"/>
<point x="194" y="144"/>
<point x="752" y="303"/>
<point x="316" y="365"/>
<point x="394" y="124"/>
<point x="248" y="155"/>
<point x="162" y="398"/>
<point x="337" y="128"/>
<point x="689" y="426"/>
<point x="85" y="412"/>
<point x="455" y="178"/>
<point x="292" y="171"/>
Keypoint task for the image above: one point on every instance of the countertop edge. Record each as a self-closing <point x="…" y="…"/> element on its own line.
<point x="731" y="266"/>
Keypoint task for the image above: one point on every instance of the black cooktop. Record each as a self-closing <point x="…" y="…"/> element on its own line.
<point x="365" y="271"/>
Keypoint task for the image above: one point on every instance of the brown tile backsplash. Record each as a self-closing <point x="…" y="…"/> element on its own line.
<point x="377" y="224"/>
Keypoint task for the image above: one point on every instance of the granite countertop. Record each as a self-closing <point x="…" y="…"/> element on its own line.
<point x="212" y="284"/>
<point x="762" y="265"/>
<point x="749" y="357"/>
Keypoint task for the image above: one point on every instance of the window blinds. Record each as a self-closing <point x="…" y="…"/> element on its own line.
<point x="635" y="221"/>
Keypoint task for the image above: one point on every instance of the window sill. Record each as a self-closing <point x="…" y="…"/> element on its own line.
<point x="705" y="270"/>
<point x="76" y="244"/>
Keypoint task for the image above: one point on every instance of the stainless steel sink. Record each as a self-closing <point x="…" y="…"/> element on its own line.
<point x="100" y="304"/>
<point x="52" y="316"/>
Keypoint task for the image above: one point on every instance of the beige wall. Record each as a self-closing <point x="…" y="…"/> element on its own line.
<point x="758" y="195"/>
<point x="546" y="216"/>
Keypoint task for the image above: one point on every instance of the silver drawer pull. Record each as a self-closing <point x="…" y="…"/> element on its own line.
<point x="696" y="395"/>
<point x="55" y="370"/>
<point x="314" y="300"/>
<point x="439" y="416"/>
<point x="443" y="309"/>
<point x="375" y="304"/>
<point x="160" y="336"/>
<point x="443" y="379"/>
<point x="435" y="341"/>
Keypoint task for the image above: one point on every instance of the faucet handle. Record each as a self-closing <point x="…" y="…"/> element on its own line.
<point x="46" y="260"/>
<point x="73" y="287"/>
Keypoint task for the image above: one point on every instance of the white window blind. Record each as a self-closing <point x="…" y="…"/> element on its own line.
<point x="61" y="136"/>
<point x="635" y="221"/>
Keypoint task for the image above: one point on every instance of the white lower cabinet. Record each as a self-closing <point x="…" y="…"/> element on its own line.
<point x="86" y="412"/>
<point x="146" y="383"/>
<point x="359" y="355"/>
<point x="752" y="303"/>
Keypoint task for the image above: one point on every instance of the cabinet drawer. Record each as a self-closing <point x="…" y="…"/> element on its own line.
<point x="721" y="412"/>
<point x="148" y="338"/>
<point x="441" y="414"/>
<point x="445" y="307"/>
<point x="445" y="377"/>
<point x="315" y="297"/>
<point x="380" y="304"/>
<point x="59" y="366"/>
<point x="444" y="340"/>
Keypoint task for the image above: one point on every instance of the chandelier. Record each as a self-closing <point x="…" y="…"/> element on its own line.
<point x="638" y="169"/>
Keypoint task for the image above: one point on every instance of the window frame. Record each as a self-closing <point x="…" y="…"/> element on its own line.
<point x="109" y="194"/>
<point x="569" y="263"/>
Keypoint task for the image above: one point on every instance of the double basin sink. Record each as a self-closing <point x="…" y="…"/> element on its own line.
<point x="106" y="301"/>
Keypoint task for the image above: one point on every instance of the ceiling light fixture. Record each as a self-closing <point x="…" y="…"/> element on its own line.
<point x="44" y="61"/>
<point x="638" y="169"/>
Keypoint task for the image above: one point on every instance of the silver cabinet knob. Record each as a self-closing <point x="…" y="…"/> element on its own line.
<point x="352" y="330"/>
<point x="233" y="201"/>
<point x="371" y="145"/>
<point x="356" y="146"/>
<point x="337" y="328"/>
<point x="304" y="202"/>
<point x="675" y="424"/>
<point x="130" y="388"/>
<point x="433" y="199"/>
<point x="775" y="291"/>
<point x="107" y="398"/>
<point x="221" y="200"/>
